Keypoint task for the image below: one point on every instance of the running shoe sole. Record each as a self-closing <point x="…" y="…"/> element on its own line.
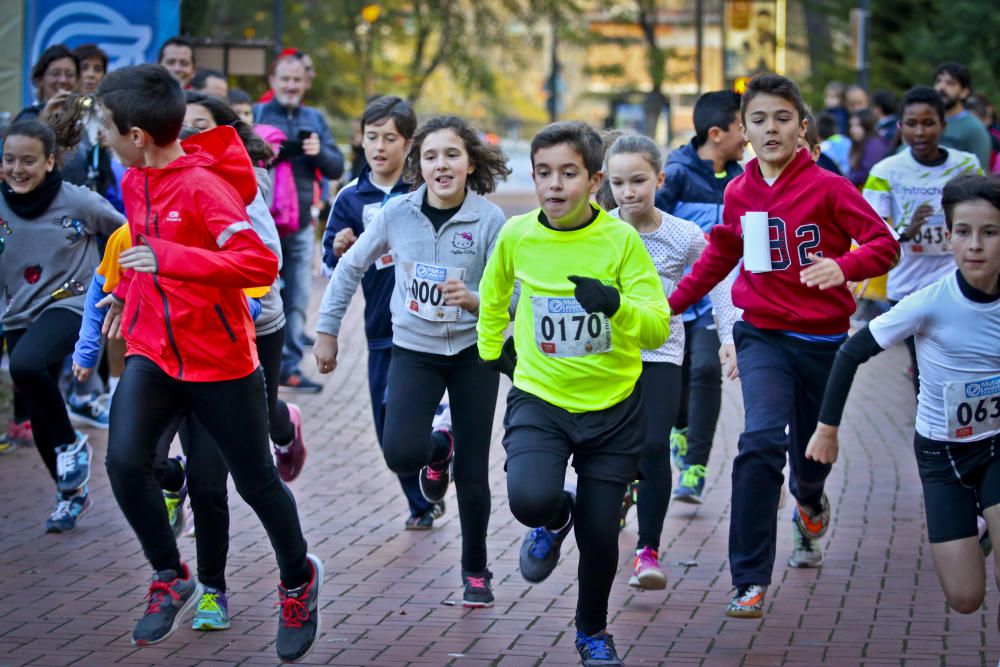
<point x="649" y="580"/>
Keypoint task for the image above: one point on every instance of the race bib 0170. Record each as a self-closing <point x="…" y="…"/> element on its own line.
<point x="564" y="329"/>
<point x="973" y="407"/>
<point x="931" y="240"/>
<point x="424" y="291"/>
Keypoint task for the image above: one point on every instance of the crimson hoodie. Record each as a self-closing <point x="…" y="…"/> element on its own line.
<point x="810" y="210"/>
<point x="191" y="317"/>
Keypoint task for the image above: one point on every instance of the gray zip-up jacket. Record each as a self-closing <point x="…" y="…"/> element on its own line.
<point x="272" y="311"/>
<point x="41" y="256"/>
<point x="464" y="242"/>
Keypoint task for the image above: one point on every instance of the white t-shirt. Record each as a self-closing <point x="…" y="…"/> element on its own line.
<point x="675" y="245"/>
<point x="958" y="342"/>
<point x="896" y="187"/>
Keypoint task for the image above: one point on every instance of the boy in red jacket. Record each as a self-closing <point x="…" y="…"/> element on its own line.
<point x="795" y="317"/>
<point x="190" y="343"/>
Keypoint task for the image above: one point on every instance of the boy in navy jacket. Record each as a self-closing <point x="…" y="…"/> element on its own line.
<point x="696" y="178"/>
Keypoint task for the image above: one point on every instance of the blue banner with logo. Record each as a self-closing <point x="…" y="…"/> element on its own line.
<point x="129" y="31"/>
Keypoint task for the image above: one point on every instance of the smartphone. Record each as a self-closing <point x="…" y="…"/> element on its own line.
<point x="304" y="134"/>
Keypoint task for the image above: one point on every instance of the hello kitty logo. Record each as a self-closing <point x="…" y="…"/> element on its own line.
<point x="462" y="243"/>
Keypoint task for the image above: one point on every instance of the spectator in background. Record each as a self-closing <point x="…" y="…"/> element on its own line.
<point x="981" y="108"/>
<point x="211" y="82"/>
<point x="54" y="76"/>
<point x="93" y="67"/>
<point x="242" y="104"/>
<point x="358" y="160"/>
<point x="177" y="55"/>
<point x="867" y="147"/>
<point x="833" y="101"/>
<point x="884" y="106"/>
<point x="833" y="144"/>
<point x="311" y="150"/>
<point x="855" y="99"/>
<point x="963" y="131"/>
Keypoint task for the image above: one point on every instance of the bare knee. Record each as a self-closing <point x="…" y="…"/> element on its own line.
<point x="965" y="602"/>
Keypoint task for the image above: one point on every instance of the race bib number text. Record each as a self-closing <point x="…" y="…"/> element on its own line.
<point x="931" y="239"/>
<point x="425" y="295"/>
<point x="564" y="329"/>
<point x="973" y="407"/>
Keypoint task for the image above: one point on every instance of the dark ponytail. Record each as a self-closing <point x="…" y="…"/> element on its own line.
<point x="67" y="121"/>
<point x="258" y="149"/>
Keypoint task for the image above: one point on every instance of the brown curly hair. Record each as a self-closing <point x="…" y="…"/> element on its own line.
<point x="489" y="161"/>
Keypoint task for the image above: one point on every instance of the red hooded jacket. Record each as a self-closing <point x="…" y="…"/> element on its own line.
<point x="190" y="317"/>
<point x="810" y="210"/>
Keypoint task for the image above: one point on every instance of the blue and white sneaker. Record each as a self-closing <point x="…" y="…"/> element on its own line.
<point x="540" y="549"/>
<point x="92" y="410"/>
<point x="691" y="485"/>
<point x="597" y="650"/>
<point x="73" y="464"/>
<point x="68" y="511"/>
<point x="212" y="611"/>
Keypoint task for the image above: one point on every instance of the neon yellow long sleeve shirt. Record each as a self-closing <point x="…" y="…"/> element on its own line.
<point x="602" y="366"/>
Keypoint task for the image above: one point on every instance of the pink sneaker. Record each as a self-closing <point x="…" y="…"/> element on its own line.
<point x="646" y="573"/>
<point x="291" y="458"/>
<point x="20" y="435"/>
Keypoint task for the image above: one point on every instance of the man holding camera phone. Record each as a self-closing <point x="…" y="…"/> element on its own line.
<point x="312" y="152"/>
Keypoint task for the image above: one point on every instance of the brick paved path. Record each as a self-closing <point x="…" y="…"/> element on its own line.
<point x="72" y="599"/>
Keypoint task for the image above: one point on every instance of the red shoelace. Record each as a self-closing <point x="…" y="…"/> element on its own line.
<point x="294" y="611"/>
<point x="160" y="587"/>
<point x="477" y="582"/>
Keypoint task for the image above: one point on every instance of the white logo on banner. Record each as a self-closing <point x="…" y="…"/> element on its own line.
<point x="97" y="23"/>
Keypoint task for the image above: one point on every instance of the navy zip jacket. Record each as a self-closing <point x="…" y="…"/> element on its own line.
<point x="692" y="192"/>
<point x="355" y="207"/>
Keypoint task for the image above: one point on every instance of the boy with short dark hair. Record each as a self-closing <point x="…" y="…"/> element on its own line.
<point x="387" y="128"/>
<point x="696" y="178"/>
<point x="181" y="310"/>
<point x="905" y="189"/>
<point x="590" y="299"/>
<point x="796" y="312"/>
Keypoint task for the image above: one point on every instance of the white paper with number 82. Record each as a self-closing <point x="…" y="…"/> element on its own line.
<point x="425" y="291"/>
<point x="973" y="408"/>
<point x="564" y="329"/>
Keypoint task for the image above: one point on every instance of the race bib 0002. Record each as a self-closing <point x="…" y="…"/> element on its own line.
<point x="424" y="291"/>
<point x="564" y="329"/>
<point x="931" y="239"/>
<point x="973" y="408"/>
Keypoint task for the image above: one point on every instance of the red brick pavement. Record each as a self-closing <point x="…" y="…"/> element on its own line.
<point x="72" y="599"/>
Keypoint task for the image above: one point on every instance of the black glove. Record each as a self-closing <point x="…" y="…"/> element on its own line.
<point x="507" y="360"/>
<point x="595" y="296"/>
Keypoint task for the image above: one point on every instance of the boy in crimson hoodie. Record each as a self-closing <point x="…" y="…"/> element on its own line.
<point x="190" y="340"/>
<point x="795" y="317"/>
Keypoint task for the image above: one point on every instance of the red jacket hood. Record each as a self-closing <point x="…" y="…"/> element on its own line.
<point x="222" y="151"/>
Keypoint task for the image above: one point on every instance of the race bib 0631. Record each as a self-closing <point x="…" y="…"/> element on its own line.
<point x="424" y="291"/>
<point x="973" y="407"/>
<point x="564" y="329"/>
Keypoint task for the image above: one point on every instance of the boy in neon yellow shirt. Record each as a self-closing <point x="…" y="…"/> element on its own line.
<point x="590" y="300"/>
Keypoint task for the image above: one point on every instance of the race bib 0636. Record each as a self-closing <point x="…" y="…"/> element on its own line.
<point x="973" y="407"/>
<point x="564" y="329"/>
<point x="424" y="291"/>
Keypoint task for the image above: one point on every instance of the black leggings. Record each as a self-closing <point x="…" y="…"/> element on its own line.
<point x="598" y="503"/>
<point x="661" y="384"/>
<point x="701" y="397"/>
<point x="417" y="381"/>
<point x="206" y="474"/>
<point x="36" y="360"/>
<point x="234" y="415"/>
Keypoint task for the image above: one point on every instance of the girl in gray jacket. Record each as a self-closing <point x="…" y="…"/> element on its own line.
<point x="48" y="252"/>
<point x="440" y="236"/>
